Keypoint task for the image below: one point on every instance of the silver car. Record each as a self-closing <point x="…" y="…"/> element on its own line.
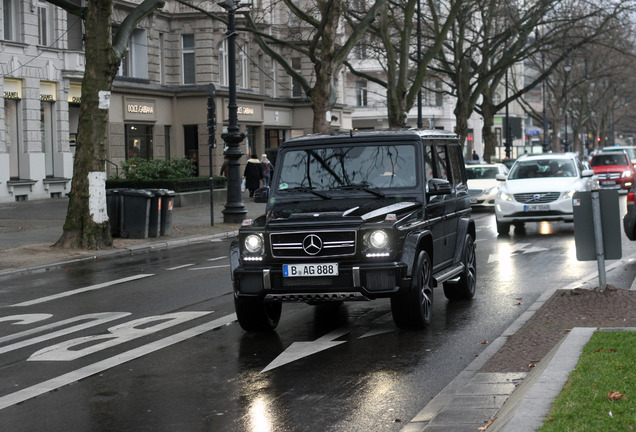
<point x="482" y="183"/>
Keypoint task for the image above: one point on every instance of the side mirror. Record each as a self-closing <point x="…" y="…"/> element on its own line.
<point x="587" y="173"/>
<point x="439" y="187"/>
<point x="261" y="195"/>
<point x="500" y="177"/>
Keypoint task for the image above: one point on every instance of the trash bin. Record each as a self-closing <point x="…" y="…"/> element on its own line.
<point x="115" y="210"/>
<point x="156" y="205"/>
<point x="167" y="203"/>
<point x="136" y="213"/>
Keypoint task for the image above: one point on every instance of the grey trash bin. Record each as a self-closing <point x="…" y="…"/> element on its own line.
<point x="167" y="204"/>
<point x="156" y="210"/>
<point x="115" y="210"/>
<point x="136" y="213"/>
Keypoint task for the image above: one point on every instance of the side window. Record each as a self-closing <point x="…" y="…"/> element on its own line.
<point x="457" y="167"/>
<point x="441" y="162"/>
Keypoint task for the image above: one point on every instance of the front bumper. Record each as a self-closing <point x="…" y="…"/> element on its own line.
<point x="513" y="211"/>
<point x="353" y="282"/>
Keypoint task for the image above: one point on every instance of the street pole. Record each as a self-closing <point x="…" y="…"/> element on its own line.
<point x="420" y="124"/>
<point x="545" y="115"/>
<point x="234" y="211"/>
<point x="508" y="144"/>
<point x="567" y="69"/>
<point x="211" y="142"/>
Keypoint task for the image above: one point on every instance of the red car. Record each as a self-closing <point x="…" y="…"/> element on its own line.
<point x="614" y="170"/>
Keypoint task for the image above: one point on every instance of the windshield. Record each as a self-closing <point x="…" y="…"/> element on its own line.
<point x="542" y="168"/>
<point x="609" y="159"/>
<point x="629" y="151"/>
<point x="320" y="169"/>
<point x="481" y="173"/>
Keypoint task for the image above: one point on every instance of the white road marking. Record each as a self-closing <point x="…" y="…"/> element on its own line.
<point x="298" y="350"/>
<point x="218" y="258"/>
<point x="93" y="320"/>
<point x="26" y="319"/>
<point x="81" y="290"/>
<point x="210" y="267"/>
<point x="179" y="267"/>
<point x="95" y="368"/>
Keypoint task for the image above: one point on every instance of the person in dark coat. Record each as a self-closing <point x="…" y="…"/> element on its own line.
<point x="268" y="170"/>
<point x="253" y="174"/>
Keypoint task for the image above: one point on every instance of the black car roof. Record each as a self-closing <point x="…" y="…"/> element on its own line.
<point x="370" y="136"/>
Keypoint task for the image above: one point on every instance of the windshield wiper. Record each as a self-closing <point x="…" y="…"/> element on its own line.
<point x="360" y="187"/>
<point x="310" y="190"/>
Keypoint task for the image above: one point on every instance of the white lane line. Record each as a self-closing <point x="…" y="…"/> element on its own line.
<point x="95" y="368"/>
<point x="180" y="267"/>
<point x="82" y="290"/>
<point x="218" y="258"/>
<point x="210" y="267"/>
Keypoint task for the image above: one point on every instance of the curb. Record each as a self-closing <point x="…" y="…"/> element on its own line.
<point x="145" y="247"/>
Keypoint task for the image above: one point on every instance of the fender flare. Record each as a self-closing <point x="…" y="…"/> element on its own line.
<point x="235" y="255"/>
<point x="413" y="244"/>
<point x="464" y="226"/>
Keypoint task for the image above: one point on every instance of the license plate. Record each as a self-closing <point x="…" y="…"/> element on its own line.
<point x="473" y="200"/>
<point x="305" y="270"/>
<point x="536" y="207"/>
<point x="608" y="183"/>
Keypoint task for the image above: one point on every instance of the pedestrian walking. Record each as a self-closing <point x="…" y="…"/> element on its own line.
<point x="253" y="174"/>
<point x="475" y="156"/>
<point x="268" y="170"/>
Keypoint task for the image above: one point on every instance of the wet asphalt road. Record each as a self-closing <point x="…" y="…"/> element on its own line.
<point x="159" y="350"/>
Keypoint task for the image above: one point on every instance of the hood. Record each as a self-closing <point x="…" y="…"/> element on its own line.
<point x="610" y="168"/>
<point x="547" y="184"/>
<point x="483" y="183"/>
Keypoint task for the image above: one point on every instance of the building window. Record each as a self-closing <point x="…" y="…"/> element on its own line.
<point x="242" y="74"/>
<point x="11" y="20"/>
<point x="166" y="137"/>
<point x="361" y="93"/>
<point x="46" y="129"/>
<point x="297" y="89"/>
<point x="187" y="46"/>
<point x="46" y="26"/>
<point x="12" y="136"/>
<point x="162" y="60"/>
<point x="139" y="141"/>
<point x="134" y="64"/>
<point x="223" y="64"/>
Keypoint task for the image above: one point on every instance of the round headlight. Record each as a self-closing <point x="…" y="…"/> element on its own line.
<point x="253" y="243"/>
<point x="378" y="239"/>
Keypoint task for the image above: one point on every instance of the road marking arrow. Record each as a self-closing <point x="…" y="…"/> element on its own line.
<point x="298" y="350"/>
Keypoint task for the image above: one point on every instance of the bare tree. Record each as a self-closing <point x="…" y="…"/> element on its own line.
<point x="86" y="225"/>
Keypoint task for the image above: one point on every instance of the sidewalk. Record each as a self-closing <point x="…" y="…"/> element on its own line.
<point x="29" y="228"/>
<point x="497" y="384"/>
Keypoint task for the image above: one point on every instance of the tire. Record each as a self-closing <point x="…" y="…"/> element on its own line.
<point x="503" y="228"/>
<point x="415" y="309"/>
<point x="464" y="289"/>
<point x="257" y="315"/>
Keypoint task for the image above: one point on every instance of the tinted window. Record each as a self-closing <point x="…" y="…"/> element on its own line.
<point x="542" y="168"/>
<point x="611" y="158"/>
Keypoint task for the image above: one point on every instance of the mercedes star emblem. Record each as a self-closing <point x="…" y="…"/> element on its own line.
<point x="312" y="244"/>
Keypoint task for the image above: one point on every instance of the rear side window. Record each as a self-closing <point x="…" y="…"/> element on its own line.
<point x="457" y="166"/>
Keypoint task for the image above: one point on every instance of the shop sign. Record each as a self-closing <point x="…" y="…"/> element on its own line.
<point x="135" y="109"/>
<point x="47" y="92"/>
<point x="75" y="94"/>
<point x="12" y="89"/>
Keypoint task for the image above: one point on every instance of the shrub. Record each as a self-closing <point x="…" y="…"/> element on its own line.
<point x="157" y="169"/>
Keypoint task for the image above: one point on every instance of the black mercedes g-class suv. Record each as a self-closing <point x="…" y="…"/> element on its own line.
<point x="359" y="216"/>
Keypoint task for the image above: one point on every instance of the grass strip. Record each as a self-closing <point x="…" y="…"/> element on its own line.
<point x="600" y="394"/>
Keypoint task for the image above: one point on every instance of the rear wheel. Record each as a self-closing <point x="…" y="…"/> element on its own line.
<point x="464" y="289"/>
<point x="256" y="314"/>
<point x="415" y="309"/>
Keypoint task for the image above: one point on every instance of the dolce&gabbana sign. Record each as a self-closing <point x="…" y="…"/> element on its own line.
<point x="137" y="109"/>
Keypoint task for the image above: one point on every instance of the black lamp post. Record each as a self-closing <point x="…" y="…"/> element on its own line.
<point x="234" y="208"/>
<point x="420" y="124"/>
<point x="567" y="68"/>
<point x="507" y="131"/>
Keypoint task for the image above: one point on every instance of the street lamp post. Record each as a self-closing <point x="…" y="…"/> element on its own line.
<point x="567" y="68"/>
<point x="546" y="145"/>
<point x="234" y="208"/>
<point x="420" y="124"/>
<point x="507" y="130"/>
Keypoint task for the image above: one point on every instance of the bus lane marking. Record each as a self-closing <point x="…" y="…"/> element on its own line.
<point x="81" y="290"/>
<point x="100" y="366"/>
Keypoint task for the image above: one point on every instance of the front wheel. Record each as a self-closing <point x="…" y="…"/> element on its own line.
<point x="464" y="289"/>
<point x="415" y="309"/>
<point x="255" y="314"/>
<point x="503" y="228"/>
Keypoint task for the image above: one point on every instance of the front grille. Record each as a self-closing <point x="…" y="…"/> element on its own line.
<point x="537" y="197"/>
<point x="316" y="244"/>
<point x="609" y="176"/>
<point x="475" y="192"/>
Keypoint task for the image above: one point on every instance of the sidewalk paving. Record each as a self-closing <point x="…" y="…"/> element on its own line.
<point x="496" y="385"/>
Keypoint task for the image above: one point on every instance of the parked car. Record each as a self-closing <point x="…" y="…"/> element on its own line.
<point x="540" y="188"/>
<point x="631" y="151"/>
<point x="629" y="220"/>
<point x="614" y="170"/>
<point x="483" y="184"/>
<point x="359" y="216"/>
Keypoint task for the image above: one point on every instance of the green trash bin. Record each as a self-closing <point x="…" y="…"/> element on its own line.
<point x="136" y="213"/>
<point x="115" y="210"/>
<point x="167" y="204"/>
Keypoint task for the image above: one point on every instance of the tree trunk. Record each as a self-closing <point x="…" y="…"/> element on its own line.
<point x="82" y="229"/>
<point x="488" y="135"/>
